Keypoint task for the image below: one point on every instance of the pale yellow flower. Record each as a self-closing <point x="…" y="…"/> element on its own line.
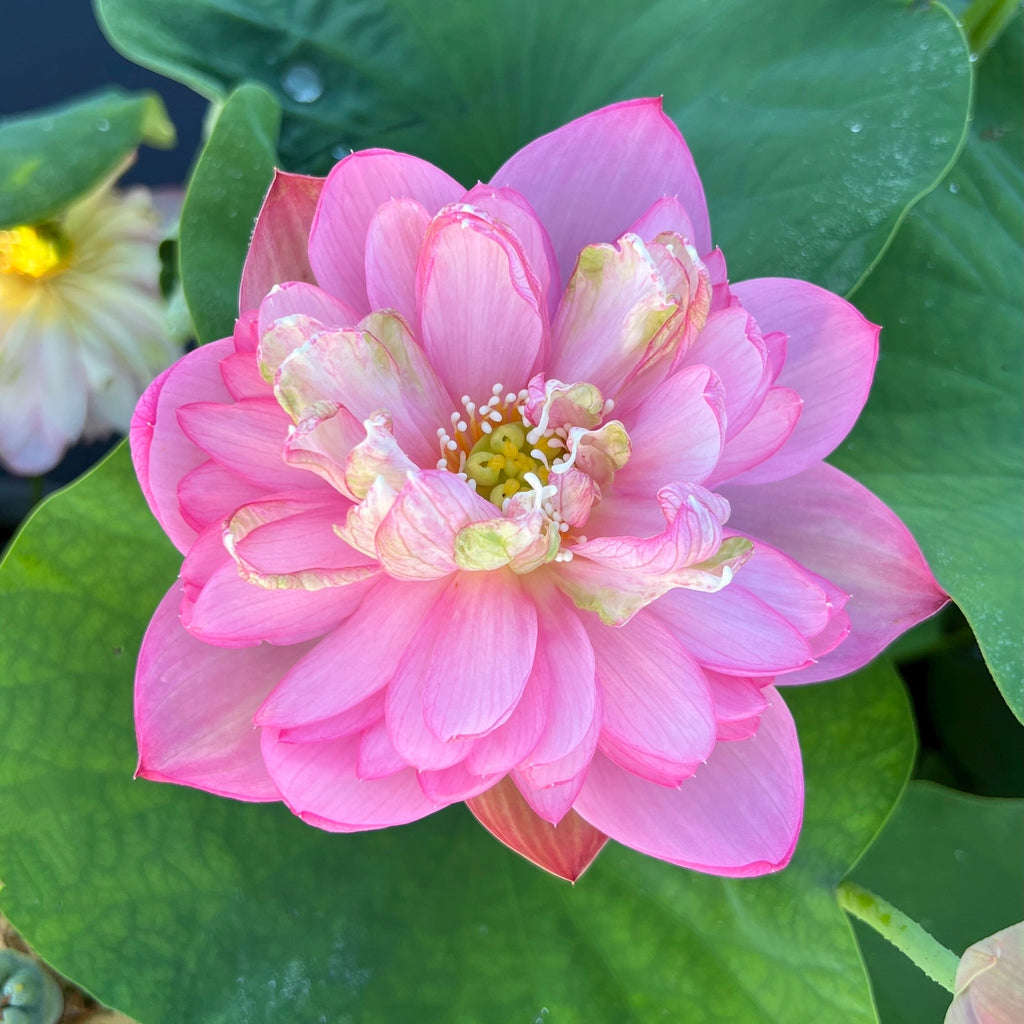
<point x="82" y="325"/>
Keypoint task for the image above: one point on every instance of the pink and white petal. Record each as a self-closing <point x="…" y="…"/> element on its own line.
<point x="739" y="816"/>
<point x="296" y="298"/>
<point x="658" y="715"/>
<point x="318" y="782"/>
<point x="376" y="455"/>
<point x="761" y="438"/>
<point x="161" y="452"/>
<point x="416" y="539"/>
<point x="665" y="214"/>
<point x="353" y="192"/>
<point x="194" y="706"/>
<point x="589" y="180"/>
<point x="731" y="344"/>
<point x="354" y="661"/>
<point x="837" y="528"/>
<point x="739" y="704"/>
<point x="676" y="433"/>
<point x="613" y="307"/>
<point x="830" y="362"/>
<point x="377" y="755"/>
<point x="393" y="242"/>
<point x="209" y="493"/>
<point x="246" y="438"/>
<point x="515" y="212"/>
<point x="485" y="633"/>
<point x="565" y="850"/>
<point x="278" y="250"/>
<point x="231" y="612"/>
<point x="448" y="785"/>
<point x="733" y="631"/>
<point x="352" y="720"/>
<point x="321" y="444"/>
<point x="481" y="318"/>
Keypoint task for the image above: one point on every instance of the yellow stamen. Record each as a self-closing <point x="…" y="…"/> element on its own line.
<point x="33" y="251"/>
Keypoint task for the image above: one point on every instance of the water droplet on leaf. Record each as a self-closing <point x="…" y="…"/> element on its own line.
<point x="856" y="127"/>
<point x="302" y="83"/>
<point x="103" y="125"/>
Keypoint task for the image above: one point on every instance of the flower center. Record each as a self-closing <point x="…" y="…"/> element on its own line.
<point x="496" y="449"/>
<point x="33" y="251"/>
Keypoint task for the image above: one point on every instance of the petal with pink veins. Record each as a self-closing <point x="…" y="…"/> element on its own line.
<point x="844" y="533"/>
<point x="658" y="716"/>
<point x="592" y="178"/>
<point x="161" y="452"/>
<point x="481" y="319"/>
<point x="761" y="438"/>
<point x="665" y="214"/>
<point x="277" y="251"/>
<point x="209" y="493"/>
<point x="352" y="720"/>
<point x="353" y="192"/>
<point x="321" y="443"/>
<point x="354" y="661"/>
<point x="565" y="850"/>
<point x="552" y="802"/>
<point x="376" y="455"/>
<point x="318" y="782"/>
<point x="739" y="704"/>
<point x="393" y="242"/>
<point x="194" y="706"/>
<point x="377" y="755"/>
<point x="296" y="298"/>
<point x="830" y="362"/>
<point x="455" y="783"/>
<point x="739" y="816"/>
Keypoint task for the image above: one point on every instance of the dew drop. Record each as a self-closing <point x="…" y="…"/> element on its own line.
<point x="103" y="125"/>
<point x="954" y="187"/>
<point x="341" y="150"/>
<point x="973" y="58"/>
<point x="856" y="127"/>
<point x="302" y="83"/>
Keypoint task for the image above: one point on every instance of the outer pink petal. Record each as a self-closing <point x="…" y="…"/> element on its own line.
<point x="506" y="746"/>
<point x="552" y="802"/>
<point x="354" y="719"/>
<point x="318" y="781"/>
<point x="667" y="214"/>
<point x="210" y="492"/>
<point x="734" y="631"/>
<point x="658" y="719"/>
<point x="393" y="242"/>
<point x="277" y="251"/>
<point x="830" y="361"/>
<point x="738" y="816"/>
<point x="840" y="530"/>
<point x="591" y="179"/>
<point x="194" y="705"/>
<point x="353" y="192"/>
<point x="353" y="662"/>
<point x="481" y="316"/>
<point x="161" y="452"/>
<point x="566" y="849"/>
<point x="455" y="783"/>
<point x="296" y="297"/>
<point x="739" y="704"/>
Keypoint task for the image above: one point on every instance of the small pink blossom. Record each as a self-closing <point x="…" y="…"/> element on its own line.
<point x="508" y="496"/>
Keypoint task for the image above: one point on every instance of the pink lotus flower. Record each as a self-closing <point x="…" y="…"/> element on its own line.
<point x="522" y="504"/>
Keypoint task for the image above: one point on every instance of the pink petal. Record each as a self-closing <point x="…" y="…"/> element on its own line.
<point x="738" y="816"/>
<point x="988" y="980"/>
<point x="481" y="317"/>
<point x="676" y="433"/>
<point x="569" y="768"/>
<point x="515" y="212"/>
<point x="565" y="850"/>
<point x="209" y="493"/>
<point x="762" y="437"/>
<point x="830" y="361"/>
<point x="318" y="782"/>
<point x="485" y="634"/>
<point x="277" y="251"/>
<point x="322" y="442"/>
<point x="591" y="179"/>
<point x="393" y="242"/>
<point x="246" y="438"/>
<point x="739" y="704"/>
<point x="354" y="719"/>
<point x="377" y="755"/>
<point x="194" y="706"/>
<point x="242" y="376"/>
<point x="353" y="192"/>
<point x="733" y="631"/>
<point x="298" y="298"/>
<point x="161" y="452"/>
<point x="658" y="719"/>
<point x="840" y="530"/>
<point x="231" y="612"/>
<point x="666" y="214"/>
<point x="353" y="662"/>
<point x="552" y="802"/>
<point x="455" y="783"/>
<point x="498" y="751"/>
<point x="732" y="346"/>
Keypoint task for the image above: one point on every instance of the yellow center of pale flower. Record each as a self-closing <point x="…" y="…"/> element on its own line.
<point x="33" y="251"/>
